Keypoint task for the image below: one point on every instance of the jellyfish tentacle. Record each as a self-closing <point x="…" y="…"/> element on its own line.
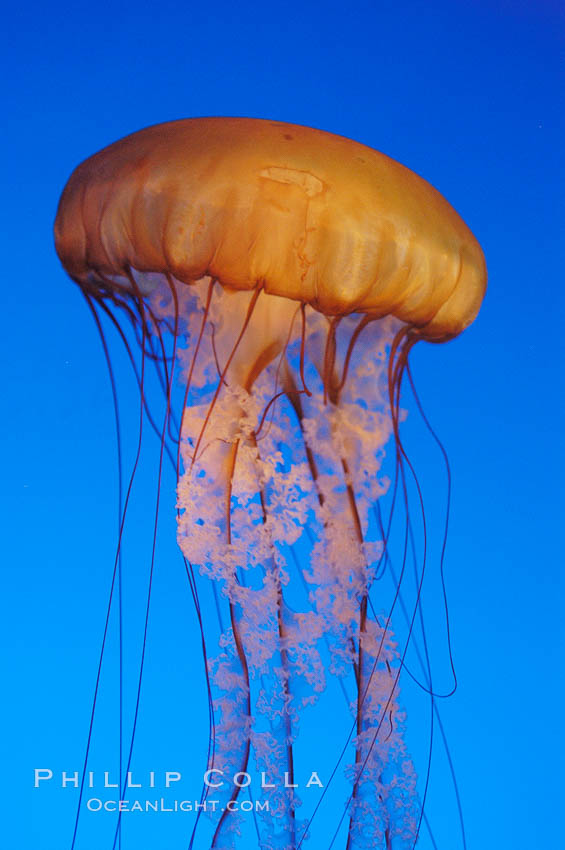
<point x="294" y="396"/>
<point x="148" y="413"/>
<point x="398" y="359"/>
<point x="445" y="532"/>
<point x="114" y="574"/>
<point x="302" y="348"/>
<point x="331" y="394"/>
<point x="161" y="360"/>
<point x="365" y="672"/>
<point x="250" y="309"/>
<point x="154" y="537"/>
<point x="328" y="374"/>
<point x="363" y="323"/>
<point x="219" y="370"/>
<point x="229" y="451"/>
<point x="267" y="357"/>
<point x="187" y="564"/>
<point x="188" y="383"/>
<point x="230" y="463"/>
<point x="285" y="675"/>
<point x="362" y="684"/>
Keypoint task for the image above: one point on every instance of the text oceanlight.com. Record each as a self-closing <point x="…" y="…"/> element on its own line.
<point x="95" y="804"/>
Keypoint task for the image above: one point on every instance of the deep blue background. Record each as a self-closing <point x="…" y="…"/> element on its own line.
<point x="467" y="95"/>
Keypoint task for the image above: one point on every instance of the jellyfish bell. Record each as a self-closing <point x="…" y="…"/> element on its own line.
<point x="298" y="268"/>
<point x="302" y="213"/>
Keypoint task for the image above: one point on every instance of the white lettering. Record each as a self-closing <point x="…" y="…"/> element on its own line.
<point x="264" y="783"/>
<point x="242" y="780"/>
<point x="41" y="775"/>
<point x="66" y="780"/>
<point x="107" y="783"/>
<point x="314" y="780"/>
<point x="207" y="776"/>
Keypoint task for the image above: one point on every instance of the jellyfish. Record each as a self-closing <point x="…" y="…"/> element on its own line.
<point x="279" y="276"/>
